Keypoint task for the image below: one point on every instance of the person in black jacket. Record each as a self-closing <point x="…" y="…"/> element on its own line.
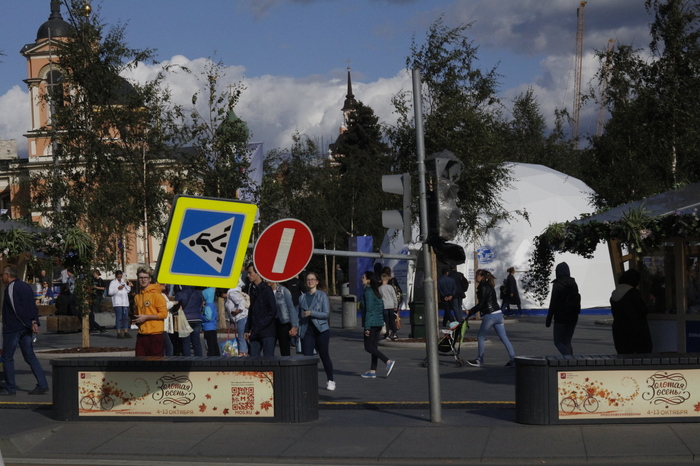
<point x="20" y="322"/>
<point x="461" y="287"/>
<point x="260" y="328"/>
<point x="511" y="293"/>
<point x="565" y="322"/>
<point x="630" y="328"/>
<point x="492" y="317"/>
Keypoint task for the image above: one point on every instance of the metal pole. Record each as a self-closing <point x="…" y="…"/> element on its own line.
<point x="428" y="282"/>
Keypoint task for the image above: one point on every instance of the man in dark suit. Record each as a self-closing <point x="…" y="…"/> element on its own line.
<point x="446" y="293"/>
<point x="20" y="322"/>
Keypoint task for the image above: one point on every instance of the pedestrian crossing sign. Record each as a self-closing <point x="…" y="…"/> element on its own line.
<point x="206" y="243"/>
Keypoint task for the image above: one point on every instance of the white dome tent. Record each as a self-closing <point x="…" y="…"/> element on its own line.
<point x="548" y="196"/>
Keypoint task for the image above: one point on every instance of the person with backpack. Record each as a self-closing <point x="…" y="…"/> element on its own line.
<point x="564" y="308"/>
<point x="237" y="304"/>
<point x="190" y="300"/>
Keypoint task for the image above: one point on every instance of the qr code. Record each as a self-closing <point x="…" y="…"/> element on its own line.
<point x="242" y="398"/>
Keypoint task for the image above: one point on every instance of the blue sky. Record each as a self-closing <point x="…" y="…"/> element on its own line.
<point x="291" y="55"/>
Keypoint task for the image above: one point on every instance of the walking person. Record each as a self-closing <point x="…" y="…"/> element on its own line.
<point x="564" y="313"/>
<point x="372" y="309"/>
<point x="210" y="322"/>
<point x="314" y="325"/>
<point x="119" y="289"/>
<point x="512" y="296"/>
<point x="20" y="322"/>
<point x="287" y="320"/>
<point x="491" y="317"/>
<point x="630" y="328"/>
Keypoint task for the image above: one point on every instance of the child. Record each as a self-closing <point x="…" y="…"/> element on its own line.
<point x="209" y="321"/>
<point x="391" y="305"/>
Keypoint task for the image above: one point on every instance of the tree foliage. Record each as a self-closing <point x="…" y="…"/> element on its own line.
<point x="216" y="160"/>
<point x="461" y="113"/>
<point x="650" y="143"/>
<point x="362" y="156"/>
<point x="109" y="136"/>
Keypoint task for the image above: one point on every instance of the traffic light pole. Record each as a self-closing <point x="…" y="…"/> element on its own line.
<point x="428" y="282"/>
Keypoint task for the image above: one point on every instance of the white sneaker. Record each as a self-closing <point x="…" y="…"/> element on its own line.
<point x="330" y="386"/>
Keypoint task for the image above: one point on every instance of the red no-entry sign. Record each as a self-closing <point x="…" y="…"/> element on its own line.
<point x="283" y="250"/>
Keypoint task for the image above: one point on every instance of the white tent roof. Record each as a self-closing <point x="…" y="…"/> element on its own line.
<point x="548" y="196"/>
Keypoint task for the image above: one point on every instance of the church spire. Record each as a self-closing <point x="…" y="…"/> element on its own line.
<point x="55" y="10"/>
<point x="350" y="102"/>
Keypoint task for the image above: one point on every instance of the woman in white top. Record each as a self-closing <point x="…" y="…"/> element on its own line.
<point x="119" y="289"/>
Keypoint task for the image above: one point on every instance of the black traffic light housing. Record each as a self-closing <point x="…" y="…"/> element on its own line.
<point x="443" y="211"/>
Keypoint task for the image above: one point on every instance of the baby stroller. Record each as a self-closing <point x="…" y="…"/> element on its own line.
<point x="451" y="341"/>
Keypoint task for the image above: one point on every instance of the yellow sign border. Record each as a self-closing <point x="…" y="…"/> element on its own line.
<point x="180" y="205"/>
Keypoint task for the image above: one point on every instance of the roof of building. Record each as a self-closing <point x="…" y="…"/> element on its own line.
<point x="681" y="201"/>
<point x="55" y="26"/>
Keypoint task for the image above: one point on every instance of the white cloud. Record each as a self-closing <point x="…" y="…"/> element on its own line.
<point x="15" y="116"/>
<point x="274" y="107"/>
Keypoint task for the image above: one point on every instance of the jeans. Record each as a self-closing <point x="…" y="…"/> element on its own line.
<point x="390" y="321"/>
<point x="240" y="330"/>
<point x="121" y="318"/>
<point x="264" y="346"/>
<point x="372" y="347"/>
<point x="320" y="341"/>
<point x="495" y="321"/>
<point x="167" y="344"/>
<point x="563" y="333"/>
<point x="283" y="337"/>
<point x="23" y="339"/>
<point x="193" y="339"/>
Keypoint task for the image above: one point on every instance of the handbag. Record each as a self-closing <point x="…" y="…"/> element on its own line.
<point x="229" y="347"/>
<point x="398" y="321"/>
<point x="183" y="327"/>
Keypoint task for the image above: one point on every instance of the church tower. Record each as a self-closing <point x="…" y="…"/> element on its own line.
<point x="43" y="72"/>
<point x="349" y="105"/>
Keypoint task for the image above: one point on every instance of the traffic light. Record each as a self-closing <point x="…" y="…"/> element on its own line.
<point x="443" y="213"/>
<point x="399" y="219"/>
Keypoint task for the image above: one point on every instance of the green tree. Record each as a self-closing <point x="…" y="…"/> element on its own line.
<point x="215" y="163"/>
<point x="461" y="113"/>
<point x="110" y="137"/>
<point x="528" y="139"/>
<point x="650" y="143"/>
<point x="297" y="184"/>
<point x="363" y="157"/>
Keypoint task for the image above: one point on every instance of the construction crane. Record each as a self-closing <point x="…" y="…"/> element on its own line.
<point x="604" y="88"/>
<point x="579" y="63"/>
